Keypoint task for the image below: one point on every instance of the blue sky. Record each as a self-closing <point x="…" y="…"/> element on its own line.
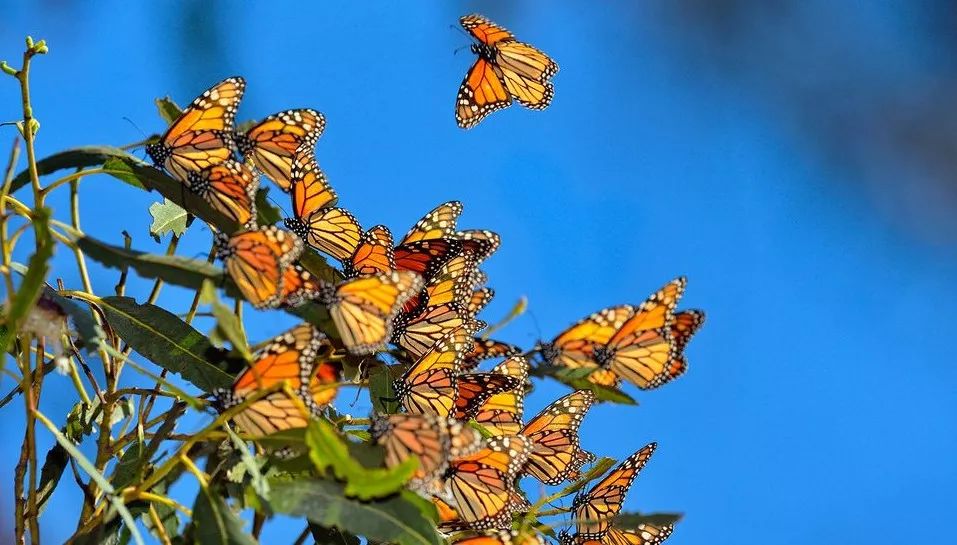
<point x="820" y="400"/>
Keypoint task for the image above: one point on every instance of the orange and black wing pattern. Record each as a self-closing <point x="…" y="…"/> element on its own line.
<point x="274" y="143"/>
<point x="475" y="389"/>
<point x="553" y="434"/>
<point x="428" y="386"/>
<point x="594" y="511"/>
<point x="202" y="135"/>
<point x="298" y="357"/>
<point x="575" y="346"/>
<point x="424" y="436"/>
<point x="257" y="260"/>
<point x="482" y="483"/>
<point x="501" y="414"/>
<point x="685" y="325"/>
<point x="229" y="187"/>
<point x="374" y="253"/>
<point x="642" y="348"/>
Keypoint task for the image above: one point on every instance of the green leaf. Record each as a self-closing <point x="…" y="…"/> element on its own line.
<point x="331" y="536"/>
<point x="168" y="341"/>
<point x="257" y="480"/>
<point x="574" y="378"/>
<point x="398" y="518"/>
<point x="328" y="449"/>
<point x="181" y="271"/>
<point x="122" y="171"/>
<point x="228" y="325"/>
<point x="167" y="217"/>
<point x="597" y="470"/>
<point x="214" y="523"/>
<point x="382" y="391"/>
<point x="633" y="520"/>
<point x="32" y="284"/>
<point x="168" y="109"/>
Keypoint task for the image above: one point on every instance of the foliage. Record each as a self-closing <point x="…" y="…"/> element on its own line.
<point x="327" y="473"/>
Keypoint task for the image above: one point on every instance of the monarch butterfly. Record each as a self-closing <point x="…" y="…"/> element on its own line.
<point x="581" y="458"/>
<point x="439" y="310"/>
<point x="257" y="260"/>
<point x="273" y="143"/>
<point x="363" y="308"/>
<point x="479" y="300"/>
<point x="505" y="68"/>
<point x="229" y="187"/>
<point x="374" y="253"/>
<point x="594" y="510"/>
<point x="298" y="286"/>
<point x="485" y="349"/>
<point x="501" y="414"/>
<point x="553" y="434"/>
<point x="474" y="389"/>
<point x="642" y="348"/>
<point x="428" y="385"/>
<point x="201" y="136"/>
<point x="317" y="220"/>
<point x="575" y="346"/>
<point x="422" y="435"/>
<point x="482" y="483"/>
<point x="298" y="356"/>
<point x="644" y="534"/>
<point x="433" y="240"/>
<point x="685" y="325"/>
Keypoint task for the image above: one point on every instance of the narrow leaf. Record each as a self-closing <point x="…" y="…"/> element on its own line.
<point x="597" y="470"/>
<point x="32" y="284"/>
<point x="397" y="518"/>
<point x="181" y="271"/>
<point x="122" y="171"/>
<point x="168" y="341"/>
<point x="168" y="109"/>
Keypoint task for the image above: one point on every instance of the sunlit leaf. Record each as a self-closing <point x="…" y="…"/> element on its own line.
<point x="168" y="341"/>
<point x="168" y="217"/>
<point x="32" y="284"/>
<point x="168" y="109"/>
<point x="122" y="171"/>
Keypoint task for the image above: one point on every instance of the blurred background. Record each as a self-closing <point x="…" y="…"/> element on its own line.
<point x="796" y="160"/>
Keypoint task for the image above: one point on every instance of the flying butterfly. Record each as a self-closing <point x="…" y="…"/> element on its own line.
<point x="594" y="510"/>
<point x="202" y="135"/>
<point x="229" y="187"/>
<point x="429" y="384"/>
<point x="364" y="308"/>
<point x="483" y="483"/>
<point x="257" y="260"/>
<point x="317" y="220"/>
<point x="299" y="356"/>
<point x="505" y="68"/>
<point x="274" y="143"/>
<point x="501" y="414"/>
<point x="374" y="254"/>
<point x="553" y="434"/>
<point x="642" y="348"/>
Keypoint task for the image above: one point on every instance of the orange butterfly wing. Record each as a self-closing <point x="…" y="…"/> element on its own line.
<point x="274" y="143"/>
<point x="553" y="434"/>
<point x="595" y="510"/>
<point x="229" y="187"/>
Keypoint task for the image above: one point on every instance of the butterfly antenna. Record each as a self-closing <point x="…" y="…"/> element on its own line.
<point x="531" y="314"/>
<point x="457" y="49"/>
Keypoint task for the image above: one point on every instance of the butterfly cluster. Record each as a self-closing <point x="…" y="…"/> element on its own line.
<point x="422" y="295"/>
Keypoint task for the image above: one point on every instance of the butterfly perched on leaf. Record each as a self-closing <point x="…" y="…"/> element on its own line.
<point x="229" y="187"/>
<point x="274" y="143"/>
<point x="317" y="220"/>
<point x="301" y="357"/>
<point x="363" y="309"/>
<point x="202" y="135"/>
<point x="482" y="483"/>
<point x="593" y="511"/>
<point x="257" y="260"/>
<point x="505" y="69"/>
<point x="429" y="384"/>
<point x="641" y="350"/>
<point x="575" y="347"/>
<point x="553" y="434"/>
